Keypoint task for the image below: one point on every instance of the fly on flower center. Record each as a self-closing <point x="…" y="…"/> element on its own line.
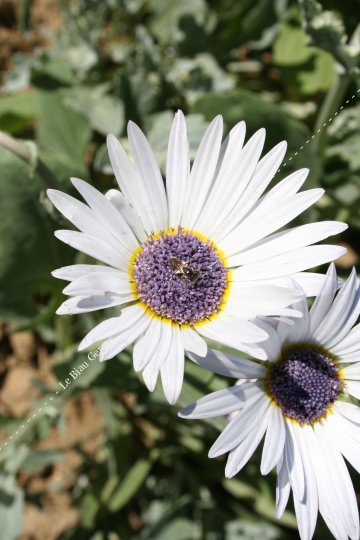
<point x="304" y="382"/>
<point x="180" y="276"/>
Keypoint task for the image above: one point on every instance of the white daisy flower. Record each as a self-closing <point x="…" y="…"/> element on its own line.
<point x="195" y="260"/>
<point x="301" y="400"/>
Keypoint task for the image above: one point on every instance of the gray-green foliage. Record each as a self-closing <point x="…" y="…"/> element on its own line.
<point x="276" y="64"/>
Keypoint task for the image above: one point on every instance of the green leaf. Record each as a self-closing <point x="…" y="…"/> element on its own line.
<point x="28" y="249"/>
<point x="39" y="459"/>
<point x="103" y="112"/>
<point x="63" y="135"/>
<point x="17" y="111"/>
<point x="11" y="508"/>
<point x="130" y="484"/>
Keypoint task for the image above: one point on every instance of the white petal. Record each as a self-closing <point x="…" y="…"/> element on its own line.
<point x="131" y="184"/>
<point x="350" y="344"/>
<point x="146" y="345"/>
<point x="193" y="342"/>
<point x="306" y="510"/>
<point x="94" y="247"/>
<point x="151" y="371"/>
<point x="202" y="173"/>
<point x="115" y="345"/>
<point x="294" y="463"/>
<point x="282" y="489"/>
<point x="78" y="213"/>
<point x="111" y="327"/>
<point x="69" y="273"/>
<point x="172" y="370"/>
<point x="262" y="299"/>
<point x="288" y="263"/>
<point x="264" y="172"/>
<point x="241" y="426"/>
<point x="234" y="175"/>
<point x="106" y="214"/>
<point x="299" y="331"/>
<point x="324" y="299"/>
<point x="346" y="438"/>
<point x="353" y="388"/>
<point x="85" y="304"/>
<point x="274" y="440"/>
<point x="229" y="365"/>
<point x="352" y="372"/>
<point x="231" y="331"/>
<point x="342" y="497"/>
<point x="99" y="284"/>
<point x="277" y="208"/>
<point x="269" y="349"/>
<point x="118" y="200"/>
<point x="240" y="455"/>
<point x="177" y="169"/>
<point x="310" y="282"/>
<point x="349" y="411"/>
<point x="222" y="402"/>
<point x="331" y="325"/>
<point x="288" y="240"/>
<point x="150" y="173"/>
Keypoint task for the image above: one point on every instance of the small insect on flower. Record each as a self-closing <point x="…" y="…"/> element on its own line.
<point x="195" y="259"/>
<point x="301" y="403"/>
<point x="184" y="270"/>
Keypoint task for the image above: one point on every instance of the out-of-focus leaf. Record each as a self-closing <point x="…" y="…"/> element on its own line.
<point x="52" y="74"/>
<point x="40" y="459"/>
<point x="247" y="530"/>
<point x="28" y="251"/>
<point x="17" y="111"/>
<point x="103" y="112"/>
<point x="130" y="484"/>
<point x="63" y="135"/>
<point x="179" y="528"/>
<point x="348" y="151"/>
<point x="167" y="16"/>
<point x="11" y="508"/>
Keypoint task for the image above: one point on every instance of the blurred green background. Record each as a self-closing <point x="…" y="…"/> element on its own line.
<point x="106" y="459"/>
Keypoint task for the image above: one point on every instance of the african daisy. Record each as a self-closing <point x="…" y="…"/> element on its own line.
<point x="302" y="401"/>
<point x="195" y="260"/>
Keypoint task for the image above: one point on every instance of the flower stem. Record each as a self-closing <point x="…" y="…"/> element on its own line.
<point x="23" y="152"/>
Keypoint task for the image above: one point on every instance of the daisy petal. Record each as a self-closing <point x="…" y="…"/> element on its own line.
<point x="100" y="283"/>
<point x="177" y="169"/>
<point x="282" y="488"/>
<point x="112" y="326"/>
<point x="172" y="370"/>
<point x="229" y="365"/>
<point x="263" y="174"/>
<point x="324" y="299"/>
<point x="202" y="173"/>
<point x="274" y="440"/>
<point x="94" y="247"/>
<point x="193" y="342"/>
<point x="221" y="402"/>
<point x="85" y="304"/>
<point x="74" y="271"/>
<point x="241" y="455"/>
<point x="131" y="184"/>
<point x="151" y="370"/>
<point x="106" y="214"/>
<point x="118" y="343"/>
<point x="231" y="331"/>
<point x="294" y="463"/>
<point x="286" y="241"/>
<point x="241" y="426"/>
<point x="118" y="200"/>
<point x="146" y="344"/>
<point x="288" y="263"/>
<point x="234" y="175"/>
<point x="150" y="173"/>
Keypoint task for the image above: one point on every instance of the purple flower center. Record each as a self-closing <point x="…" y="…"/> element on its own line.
<point x="180" y="276"/>
<point x="304" y="383"/>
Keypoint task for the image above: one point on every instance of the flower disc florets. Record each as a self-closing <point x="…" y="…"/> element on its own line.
<point x="179" y="276"/>
<point x="304" y="383"/>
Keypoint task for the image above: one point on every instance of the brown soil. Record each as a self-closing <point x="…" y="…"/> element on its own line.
<point x="44" y="13"/>
<point x="23" y="358"/>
